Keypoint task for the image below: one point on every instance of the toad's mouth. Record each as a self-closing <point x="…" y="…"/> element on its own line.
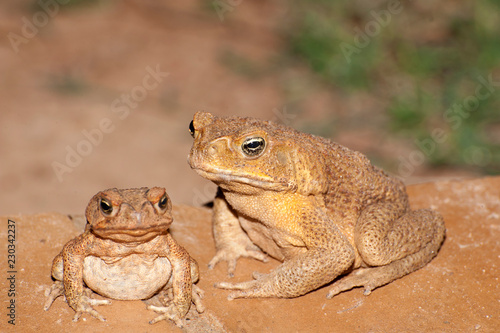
<point x="228" y="177"/>
<point x="130" y="234"/>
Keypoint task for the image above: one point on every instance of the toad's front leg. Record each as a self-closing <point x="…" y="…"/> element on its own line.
<point x="181" y="286"/>
<point x="301" y="274"/>
<point x="73" y="285"/>
<point x="57" y="289"/>
<point x="230" y="239"/>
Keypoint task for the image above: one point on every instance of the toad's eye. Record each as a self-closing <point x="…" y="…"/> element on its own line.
<point x="163" y="202"/>
<point x="191" y="128"/>
<point x="106" y="207"/>
<point x="253" y="146"/>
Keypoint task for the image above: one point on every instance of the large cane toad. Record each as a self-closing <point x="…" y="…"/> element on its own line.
<point x="127" y="253"/>
<point x="320" y="208"/>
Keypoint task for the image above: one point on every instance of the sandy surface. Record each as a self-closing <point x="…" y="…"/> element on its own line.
<point x="458" y="291"/>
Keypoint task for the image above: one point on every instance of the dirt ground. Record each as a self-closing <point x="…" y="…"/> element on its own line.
<point x="458" y="291"/>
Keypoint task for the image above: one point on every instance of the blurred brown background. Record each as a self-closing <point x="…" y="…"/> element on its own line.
<point x="99" y="94"/>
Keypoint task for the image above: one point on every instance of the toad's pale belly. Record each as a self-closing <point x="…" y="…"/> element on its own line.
<point x="130" y="278"/>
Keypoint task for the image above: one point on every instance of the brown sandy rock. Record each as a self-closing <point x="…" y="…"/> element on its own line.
<point x="456" y="292"/>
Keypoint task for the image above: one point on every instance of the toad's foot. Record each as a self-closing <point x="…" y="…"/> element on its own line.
<point x="261" y="286"/>
<point x="369" y="278"/>
<point x="197" y="296"/>
<point x="233" y="253"/>
<point x="358" y="278"/>
<point x="168" y="312"/>
<point x="166" y="297"/>
<point x="85" y="306"/>
<point x="56" y="290"/>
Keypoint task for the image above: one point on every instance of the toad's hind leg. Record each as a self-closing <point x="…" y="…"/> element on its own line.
<point x="392" y="247"/>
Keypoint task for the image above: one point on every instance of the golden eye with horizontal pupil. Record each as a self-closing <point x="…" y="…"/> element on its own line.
<point x="191" y="128"/>
<point x="253" y="146"/>
<point x="106" y="207"/>
<point x="163" y="202"/>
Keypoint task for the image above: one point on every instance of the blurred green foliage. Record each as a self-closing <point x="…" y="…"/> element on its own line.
<point x="67" y="83"/>
<point x="421" y="60"/>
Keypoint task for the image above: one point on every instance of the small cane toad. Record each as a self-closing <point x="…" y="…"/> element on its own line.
<point x="320" y="208"/>
<point x="127" y="253"/>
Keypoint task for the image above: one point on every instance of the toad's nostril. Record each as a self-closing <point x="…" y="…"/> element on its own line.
<point x="212" y="150"/>
<point x="137" y="216"/>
